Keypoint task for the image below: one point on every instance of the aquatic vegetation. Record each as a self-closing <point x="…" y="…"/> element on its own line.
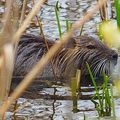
<point x="58" y="20"/>
<point x="105" y="103"/>
<point x="112" y="100"/>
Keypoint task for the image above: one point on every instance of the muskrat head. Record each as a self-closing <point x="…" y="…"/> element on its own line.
<point x="99" y="57"/>
<point x="91" y="50"/>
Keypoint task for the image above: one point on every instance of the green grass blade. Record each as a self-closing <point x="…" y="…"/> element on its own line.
<point x="91" y="75"/>
<point x="58" y="20"/>
<point x="94" y="83"/>
<point x="107" y="95"/>
<point x="67" y="25"/>
<point x="99" y="111"/>
<point x="81" y="29"/>
<point x="105" y="79"/>
<point x="107" y="100"/>
<point x="84" y="116"/>
<point x="117" y="6"/>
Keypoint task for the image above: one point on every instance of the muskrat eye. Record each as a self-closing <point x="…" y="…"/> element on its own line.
<point x="90" y="46"/>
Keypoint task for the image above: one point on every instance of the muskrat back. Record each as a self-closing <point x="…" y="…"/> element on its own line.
<point x="71" y="57"/>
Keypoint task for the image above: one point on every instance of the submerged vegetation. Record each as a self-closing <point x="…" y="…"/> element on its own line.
<point x="104" y="102"/>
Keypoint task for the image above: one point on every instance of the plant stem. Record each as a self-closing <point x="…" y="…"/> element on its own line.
<point x="58" y="20"/>
<point x="117" y="6"/>
<point x="112" y="100"/>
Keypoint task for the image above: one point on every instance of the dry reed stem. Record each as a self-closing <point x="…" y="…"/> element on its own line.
<point x="103" y="10"/>
<point x="6" y="52"/>
<point x="6" y="70"/>
<point x="1" y="61"/>
<point x="7" y="15"/>
<point x="26" y="22"/>
<point x="22" y="17"/>
<point x="15" y="15"/>
<point x="5" y="39"/>
<point x="9" y="65"/>
<point x="6" y="24"/>
<point x="45" y="41"/>
<point x="23" y="12"/>
<point x="44" y="60"/>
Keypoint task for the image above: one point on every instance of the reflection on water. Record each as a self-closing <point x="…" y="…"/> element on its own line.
<point x="72" y="10"/>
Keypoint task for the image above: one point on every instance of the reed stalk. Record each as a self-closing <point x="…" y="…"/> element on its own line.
<point x="7" y="51"/>
<point x="45" y="41"/>
<point x="74" y="94"/>
<point x="26" y="22"/>
<point x="6" y="54"/>
<point x="94" y="84"/>
<point x="23" y="12"/>
<point x="67" y="25"/>
<point x="78" y="77"/>
<point x="112" y="100"/>
<point x="81" y="29"/>
<point x="58" y="20"/>
<point x="103" y="10"/>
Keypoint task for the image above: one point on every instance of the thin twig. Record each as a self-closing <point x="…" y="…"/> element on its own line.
<point x="103" y="10"/>
<point x="6" y="24"/>
<point x="45" y="41"/>
<point x="6" y="53"/>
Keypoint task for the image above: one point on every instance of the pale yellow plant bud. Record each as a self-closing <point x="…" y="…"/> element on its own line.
<point x="110" y="34"/>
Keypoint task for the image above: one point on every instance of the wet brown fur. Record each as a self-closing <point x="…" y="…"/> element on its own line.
<point x="70" y="58"/>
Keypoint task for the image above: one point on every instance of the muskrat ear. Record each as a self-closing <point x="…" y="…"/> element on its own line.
<point x="71" y="43"/>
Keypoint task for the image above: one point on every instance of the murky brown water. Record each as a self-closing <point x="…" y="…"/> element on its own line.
<point x="54" y="103"/>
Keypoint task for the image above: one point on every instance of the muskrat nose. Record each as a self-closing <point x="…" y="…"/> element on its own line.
<point x="114" y="56"/>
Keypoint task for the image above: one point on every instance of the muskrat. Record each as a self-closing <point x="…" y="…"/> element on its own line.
<point x="71" y="57"/>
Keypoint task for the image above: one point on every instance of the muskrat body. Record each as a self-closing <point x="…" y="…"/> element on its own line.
<point x="71" y="57"/>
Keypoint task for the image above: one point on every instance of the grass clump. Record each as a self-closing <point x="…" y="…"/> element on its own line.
<point x="104" y="102"/>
